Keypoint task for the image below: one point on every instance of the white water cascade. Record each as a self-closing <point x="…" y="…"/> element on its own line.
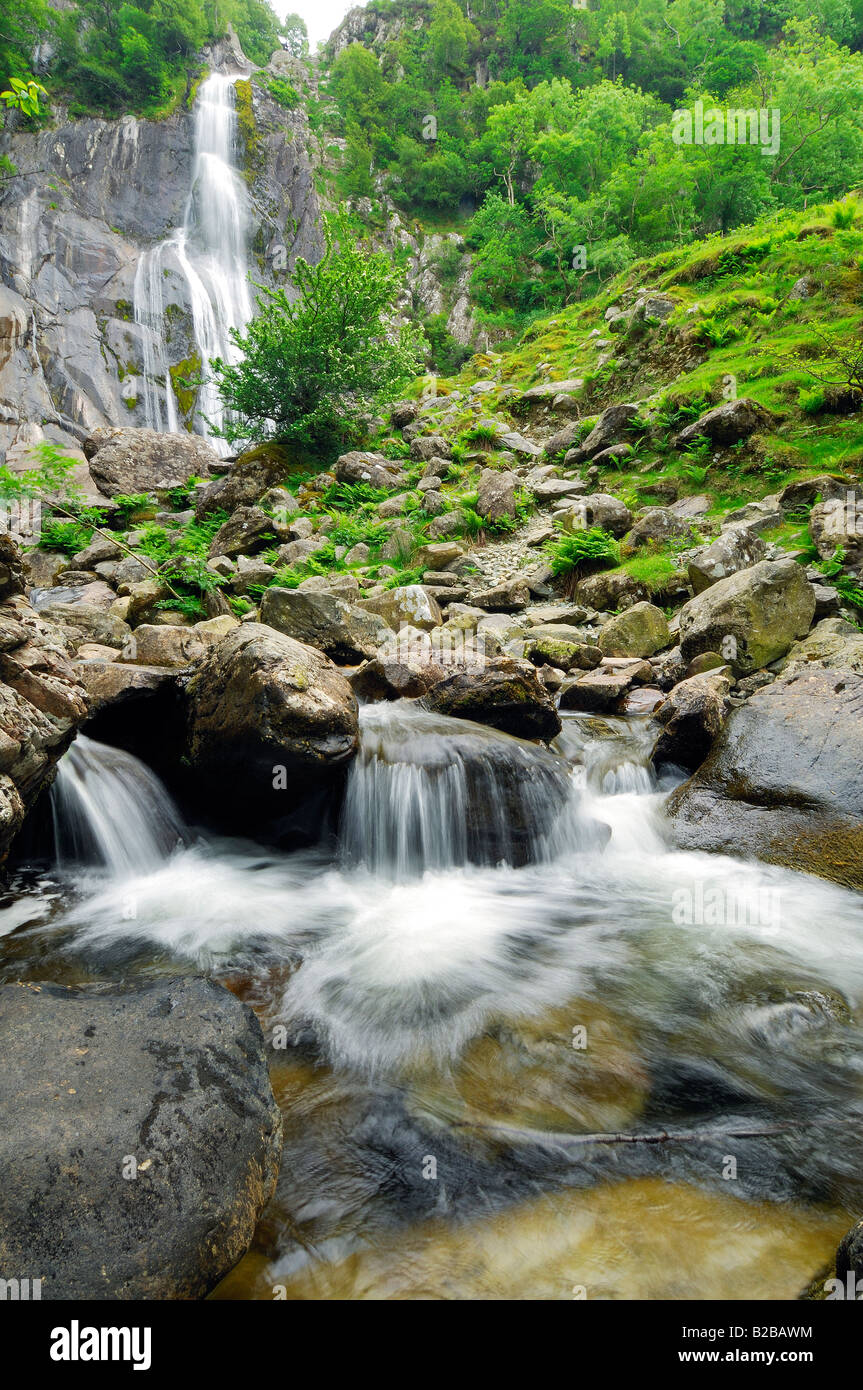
<point x="210" y="251"/>
<point x="108" y="805"/>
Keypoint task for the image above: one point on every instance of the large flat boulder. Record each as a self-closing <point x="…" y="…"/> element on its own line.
<point x="346" y="633"/>
<point x="139" y="460"/>
<point x="141" y="1140"/>
<point x="782" y="782"/>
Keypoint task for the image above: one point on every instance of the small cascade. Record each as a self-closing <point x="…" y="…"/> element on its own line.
<point x="431" y="792"/>
<point x="109" y="807"/>
<point x="210" y="250"/>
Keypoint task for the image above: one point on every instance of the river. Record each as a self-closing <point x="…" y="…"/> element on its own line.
<point x="524" y="1048"/>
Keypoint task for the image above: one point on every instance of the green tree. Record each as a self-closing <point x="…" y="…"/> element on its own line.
<point x="310" y="366"/>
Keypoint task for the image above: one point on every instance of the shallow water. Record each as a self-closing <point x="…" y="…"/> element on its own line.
<point x="450" y="1025"/>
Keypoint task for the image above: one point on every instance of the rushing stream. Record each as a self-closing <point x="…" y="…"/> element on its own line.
<point x="499" y="957"/>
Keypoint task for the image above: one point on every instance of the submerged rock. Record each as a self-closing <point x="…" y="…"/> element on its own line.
<point x="142" y="1140"/>
<point x="783" y="780"/>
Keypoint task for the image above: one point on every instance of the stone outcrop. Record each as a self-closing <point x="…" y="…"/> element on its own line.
<point x="42" y="703"/>
<point x="141" y="1139"/>
<point x="783" y="780"/>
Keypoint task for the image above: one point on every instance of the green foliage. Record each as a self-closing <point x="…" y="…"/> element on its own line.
<point x="573" y="551"/>
<point x="310" y="365"/>
<point x="24" y="96"/>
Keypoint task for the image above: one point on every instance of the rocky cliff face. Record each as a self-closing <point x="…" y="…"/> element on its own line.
<point x="90" y="197"/>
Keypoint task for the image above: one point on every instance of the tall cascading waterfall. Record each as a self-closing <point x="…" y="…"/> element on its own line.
<point x="210" y="251"/>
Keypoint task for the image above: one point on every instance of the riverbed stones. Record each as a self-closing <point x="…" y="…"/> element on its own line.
<point x="264" y="707"/>
<point x="505" y="694"/>
<point x="692" y="718"/>
<point x="783" y="780"/>
<point x="640" y="630"/>
<point x="142" y="1140"/>
<point x="752" y="617"/>
<point x="600" y="690"/>
<point x="343" y="631"/>
<point x="126" y="460"/>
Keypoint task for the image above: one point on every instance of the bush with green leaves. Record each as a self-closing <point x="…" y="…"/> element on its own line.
<point x="310" y="366"/>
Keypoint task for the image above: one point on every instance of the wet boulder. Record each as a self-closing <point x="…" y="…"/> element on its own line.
<point x="505" y="694"/>
<point x="692" y="718"/>
<point x="346" y="633"/>
<point x="142" y="1140"/>
<point x="271" y="724"/>
<point x="125" y="460"/>
<point x="752" y="617"/>
<point x="782" y="782"/>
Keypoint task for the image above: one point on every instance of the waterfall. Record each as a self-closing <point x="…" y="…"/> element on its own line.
<point x="149" y="310"/>
<point x="431" y="792"/>
<point x="108" y="805"/>
<point x="210" y="250"/>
